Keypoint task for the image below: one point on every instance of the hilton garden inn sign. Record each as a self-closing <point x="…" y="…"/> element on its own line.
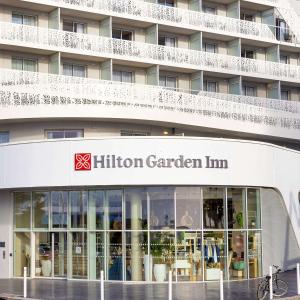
<point x="87" y="161"/>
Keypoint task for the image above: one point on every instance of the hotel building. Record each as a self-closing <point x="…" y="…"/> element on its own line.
<point x="139" y="137"/>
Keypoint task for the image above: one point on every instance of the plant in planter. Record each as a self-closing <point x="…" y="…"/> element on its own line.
<point x="162" y="251"/>
<point x="239" y="219"/>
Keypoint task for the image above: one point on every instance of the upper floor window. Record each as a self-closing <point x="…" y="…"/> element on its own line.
<point x="24" y="19"/>
<point x="284" y="59"/>
<point x="128" y="132"/>
<point x="285" y="95"/>
<point x="209" y="47"/>
<point x="167" y="41"/>
<point x="211" y="86"/>
<point x="122" y="34"/>
<point x="64" y="133"/>
<point x="4" y="137"/>
<point x="24" y="64"/>
<point x="74" y="26"/>
<point x="210" y="10"/>
<point x="282" y="30"/>
<point x="74" y="70"/>
<point x="247" y="53"/>
<point x="247" y="17"/>
<point x="169" y="82"/>
<point x="249" y="91"/>
<point x="167" y="2"/>
<point x="123" y="76"/>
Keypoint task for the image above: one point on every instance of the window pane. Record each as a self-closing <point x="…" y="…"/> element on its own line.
<point x="188" y="212"/>
<point x="22" y="207"/>
<point x="161" y="41"/>
<point x="67" y="70"/>
<point x="136" y="209"/>
<point x="126" y="35"/>
<point x="114" y="199"/>
<point x="59" y="208"/>
<point x="79" y="27"/>
<point x="114" y="256"/>
<point x="161" y="207"/>
<point x="236" y="255"/>
<point x="29" y="65"/>
<point x="79" y="255"/>
<point x="73" y="134"/>
<point x="40" y="204"/>
<point x="189" y="256"/>
<point x="4" y="137"/>
<point x="79" y="71"/>
<point x="22" y="252"/>
<point x="78" y="209"/>
<point x="211" y="87"/>
<point x="213" y="207"/>
<point x="254" y="254"/>
<point x="170" y="41"/>
<point x="43" y="254"/>
<point x="96" y="254"/>
<point x="17" y="64"/>
<point x="171" y="82"/>
<point x="29" y="20"/>
<point x="284" y="95"/>
<point x="17" y="19"/>
<point x="117" y="76"/>
<point x="116" y="33"/>
<point x="162" y="247"/>
<point x="55" y="134"/>
<point x="236" y="208"/>
<point x="96" y="209"/>
<point x="210" y="48"/>
<point x="162" y="80"/>
<point x="68" y="26"/>
<point x="253" y="202"/>
<point x="127" y="77"/>
<point x="214" y="254"/>
<point x="137" y="260"/>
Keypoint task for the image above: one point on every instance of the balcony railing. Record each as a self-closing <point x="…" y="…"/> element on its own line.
<point x="151" y="12"/>
<point x="58" y="40"/>
<point x="29" y="89"/>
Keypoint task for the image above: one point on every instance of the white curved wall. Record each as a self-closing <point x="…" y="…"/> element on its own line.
<point x="51" y="164"/>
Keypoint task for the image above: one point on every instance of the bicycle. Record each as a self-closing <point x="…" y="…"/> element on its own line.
<point x="280" y="287"/>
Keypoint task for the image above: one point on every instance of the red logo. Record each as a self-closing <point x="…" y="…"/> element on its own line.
<point x="83" y="161"/>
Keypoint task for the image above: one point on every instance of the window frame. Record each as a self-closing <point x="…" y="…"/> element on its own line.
<point x="164" y="37"/>
<point x="3" y="134"/>
<point x="35" y="60"/>
<point x="122" y="72"/>
<point x="24" y="15"/>
<point x="121" y="33"/>
<point x="73" y="26"/>
<point x="73" y="65"/>
<point x="166" y="77"/>
<point x="246" y="86"/>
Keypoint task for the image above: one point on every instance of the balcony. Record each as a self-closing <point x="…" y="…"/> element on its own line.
<point x="30" y="95"/>
<point x="58" y="40"/>
<point x="172" y="16"/>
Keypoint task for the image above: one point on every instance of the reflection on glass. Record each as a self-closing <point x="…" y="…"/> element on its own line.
<point x="43" y="254"/>
<point x="96" y="209"/>
<point x="78" y="209"/>
<point x="214" y="254"/>
<point x="161" y="207"/>
<point x="137" y="260"/>
<point x="114" y="199"/>
<point x="22" y="206"/>
<point x="136" y="209"/>
<point x="253" y="200"/>
<point x="114" y="256"/>
<point x="236" y="208"/>
<point x="59" y="208"/>
<point x="96" y="254"/>
<point x="162" y="246"/>
<point x="236" y="260"/>
<point x="213" y="207"/>
<point x="188" y="264"/>
<point x="188" y="210"/>
<point x="60" y="254"/>
<point x="40" y="204"/>
<point x="254" y="254"/>
<point x="21" y="253"/>
<point x="79" y="255"/>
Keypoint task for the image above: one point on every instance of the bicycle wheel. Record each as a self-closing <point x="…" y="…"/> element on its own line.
<point x="280" y="287"/>
<point x="262" y="290"/>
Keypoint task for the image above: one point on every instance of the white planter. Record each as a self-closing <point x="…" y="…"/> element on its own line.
<point x="46" y="268"/>
<point x="160" y="272"/>
<point x="148" y="263"/>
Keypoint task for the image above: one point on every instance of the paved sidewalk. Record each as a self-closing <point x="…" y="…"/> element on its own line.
<point x="82" y="290"/>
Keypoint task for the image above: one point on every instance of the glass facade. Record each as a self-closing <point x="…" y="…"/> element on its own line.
<point x="139" y="234"/>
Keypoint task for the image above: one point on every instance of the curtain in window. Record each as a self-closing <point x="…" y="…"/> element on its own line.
<point x="117" y="76"/>
<point x="212" y="87"/>
<point x="127" y="77"/>
<point x="29" y="20"/>
<point x="210" y="48"/>
<point x="169" y="41"/>
<point x="29" y="65"/>
<point x="171" y="83"/>
<point x="79" y="27"/>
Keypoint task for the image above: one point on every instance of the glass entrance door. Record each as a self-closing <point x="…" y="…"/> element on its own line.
<point x="50" y="254"/>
